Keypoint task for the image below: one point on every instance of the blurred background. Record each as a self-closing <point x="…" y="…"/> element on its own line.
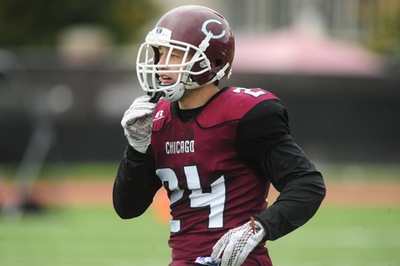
<point x="67" y="74"/>
<point x="67" y="68"/>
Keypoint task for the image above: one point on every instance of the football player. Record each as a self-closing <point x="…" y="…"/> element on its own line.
<point x="215" y="150"/>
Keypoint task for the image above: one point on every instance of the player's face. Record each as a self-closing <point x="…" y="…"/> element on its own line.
<point x="167" y="62"/>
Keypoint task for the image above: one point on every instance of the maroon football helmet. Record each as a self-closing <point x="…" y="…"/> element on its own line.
<point x="208" y="44"/>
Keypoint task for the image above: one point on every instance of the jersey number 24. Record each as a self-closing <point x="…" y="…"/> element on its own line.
<point x="215" y="199"/>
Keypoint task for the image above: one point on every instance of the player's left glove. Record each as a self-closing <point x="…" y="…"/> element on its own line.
<point x="237" y="243"/>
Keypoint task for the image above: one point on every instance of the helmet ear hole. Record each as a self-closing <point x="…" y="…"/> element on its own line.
<point x="218" y="62"/>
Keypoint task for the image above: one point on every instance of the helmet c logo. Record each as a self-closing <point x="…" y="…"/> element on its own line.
<point x="205" y="31"/>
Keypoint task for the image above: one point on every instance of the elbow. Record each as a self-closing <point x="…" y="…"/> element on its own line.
<point x="323" y="193"/>
<point x="124" y="216"/>
<point x="319" y="192"/>
<point x="125" y="213"/>
<point x="125" y="207"/>
<point x="319" y="198"/>
<point x="127" y="210"/>
<point x="313" y="191"/>
<point x="322" y="189"/>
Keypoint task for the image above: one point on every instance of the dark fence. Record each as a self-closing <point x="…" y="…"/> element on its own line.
<point x="340" y="118"/>
<point x="348" y="119"/>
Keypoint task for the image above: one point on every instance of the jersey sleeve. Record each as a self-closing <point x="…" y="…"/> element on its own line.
<point x="264" y="144"/>
<point x="135" y="184"/>
<point x="260" y="129"/>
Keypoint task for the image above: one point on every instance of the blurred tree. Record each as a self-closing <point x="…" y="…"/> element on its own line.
<point x="26" y="22"/>
<point x="382" y="20"/>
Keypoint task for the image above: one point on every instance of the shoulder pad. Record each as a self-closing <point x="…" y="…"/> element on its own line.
<point x="232" y="105"/>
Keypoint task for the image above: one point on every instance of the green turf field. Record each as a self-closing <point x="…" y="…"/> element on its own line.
<point x="96" y="236"/>
<point x="336" y="236"/>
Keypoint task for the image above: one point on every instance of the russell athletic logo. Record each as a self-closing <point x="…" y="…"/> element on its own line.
<point x="159" y="115"/>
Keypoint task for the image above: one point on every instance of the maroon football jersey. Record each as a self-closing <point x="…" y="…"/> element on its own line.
<point x="210" y="189"/>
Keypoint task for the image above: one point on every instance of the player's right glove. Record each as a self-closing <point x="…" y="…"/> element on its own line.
<point x="234" y="247"/>
<point x="137" y="123"/>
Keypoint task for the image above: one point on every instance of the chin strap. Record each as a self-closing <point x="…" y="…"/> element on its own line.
<point x="206" y="42"/>
<point x="203" y="46"/>
<point x="221" y="73"/>
<point x="155" y="96"/>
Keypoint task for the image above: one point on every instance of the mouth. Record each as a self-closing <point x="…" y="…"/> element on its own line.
<point x="166" y="80"/>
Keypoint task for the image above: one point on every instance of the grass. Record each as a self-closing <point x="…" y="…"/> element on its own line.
<point x="336" y="236"/>
<point x="343" y="236"/>
<point x="96" y="236"/>
<point x="83" y="236"/>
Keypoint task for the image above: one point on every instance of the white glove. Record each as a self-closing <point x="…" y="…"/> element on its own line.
<point x="137" y="123"/>
<point x="237" y="243"/>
